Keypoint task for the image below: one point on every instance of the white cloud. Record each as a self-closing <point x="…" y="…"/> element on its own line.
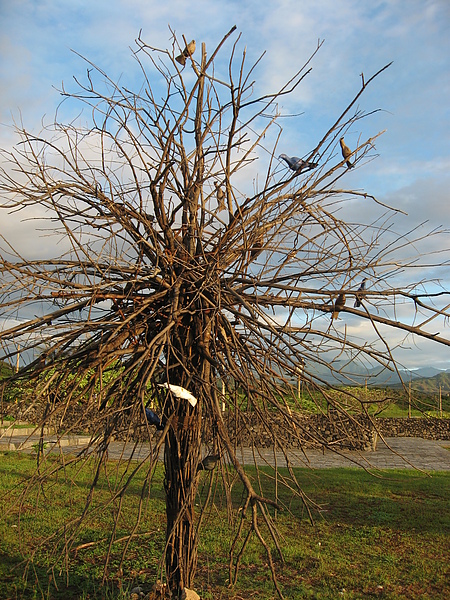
<point x="412" y="170"/>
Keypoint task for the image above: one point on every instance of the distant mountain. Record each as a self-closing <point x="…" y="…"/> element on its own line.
<point x="5" y="369"/>
<point x="425" y="372"/>
<point x="431" y="385"/>
<point x="358" y="375"/>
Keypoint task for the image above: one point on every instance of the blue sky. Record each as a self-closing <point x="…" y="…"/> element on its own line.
<point x="412" y="171"/>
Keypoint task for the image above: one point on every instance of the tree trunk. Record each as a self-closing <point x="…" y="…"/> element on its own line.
<point x="182" y="453"/>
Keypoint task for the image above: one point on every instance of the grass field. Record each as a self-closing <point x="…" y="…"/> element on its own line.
<point x="373" y="537"/>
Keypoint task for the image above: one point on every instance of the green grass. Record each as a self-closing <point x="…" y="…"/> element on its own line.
<point x="375" y="536"/>
<point x="396" y="410"/>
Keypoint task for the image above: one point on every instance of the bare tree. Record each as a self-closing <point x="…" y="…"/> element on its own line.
<point x="174" y="273"/>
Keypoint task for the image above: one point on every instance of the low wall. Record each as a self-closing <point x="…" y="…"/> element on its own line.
<point x="301" y="431"/>
<point x="292" y="431"/>
<point x="333" y="430"/>
<point x="426" y="428"/>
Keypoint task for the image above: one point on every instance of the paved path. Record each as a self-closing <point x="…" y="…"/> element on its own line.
<point x="399" y="453"/>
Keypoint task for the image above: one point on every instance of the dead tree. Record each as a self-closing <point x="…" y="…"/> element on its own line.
<point x="179" y="270"/>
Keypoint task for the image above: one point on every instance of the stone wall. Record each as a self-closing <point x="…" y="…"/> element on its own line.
<point x="299" y="431"/>
<point x="314" y="431"/>
<point x="426" y="428"/>
<point x="333" y="430"/>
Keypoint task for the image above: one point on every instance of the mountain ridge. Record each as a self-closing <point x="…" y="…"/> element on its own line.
<point x="427" y="379"/>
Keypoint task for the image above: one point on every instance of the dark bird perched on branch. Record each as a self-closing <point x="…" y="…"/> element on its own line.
<point x="338" y="305"/>
<point x="153" y="419"/>
<point x="257" y="247"/>
<point x="361" y="288"/>
<point x="188" y="51"/>
<point x="208" y="463"/>
<point x="346" y="152"/>
<point x="220" y="194"/>
<point x="297" y="164"/>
